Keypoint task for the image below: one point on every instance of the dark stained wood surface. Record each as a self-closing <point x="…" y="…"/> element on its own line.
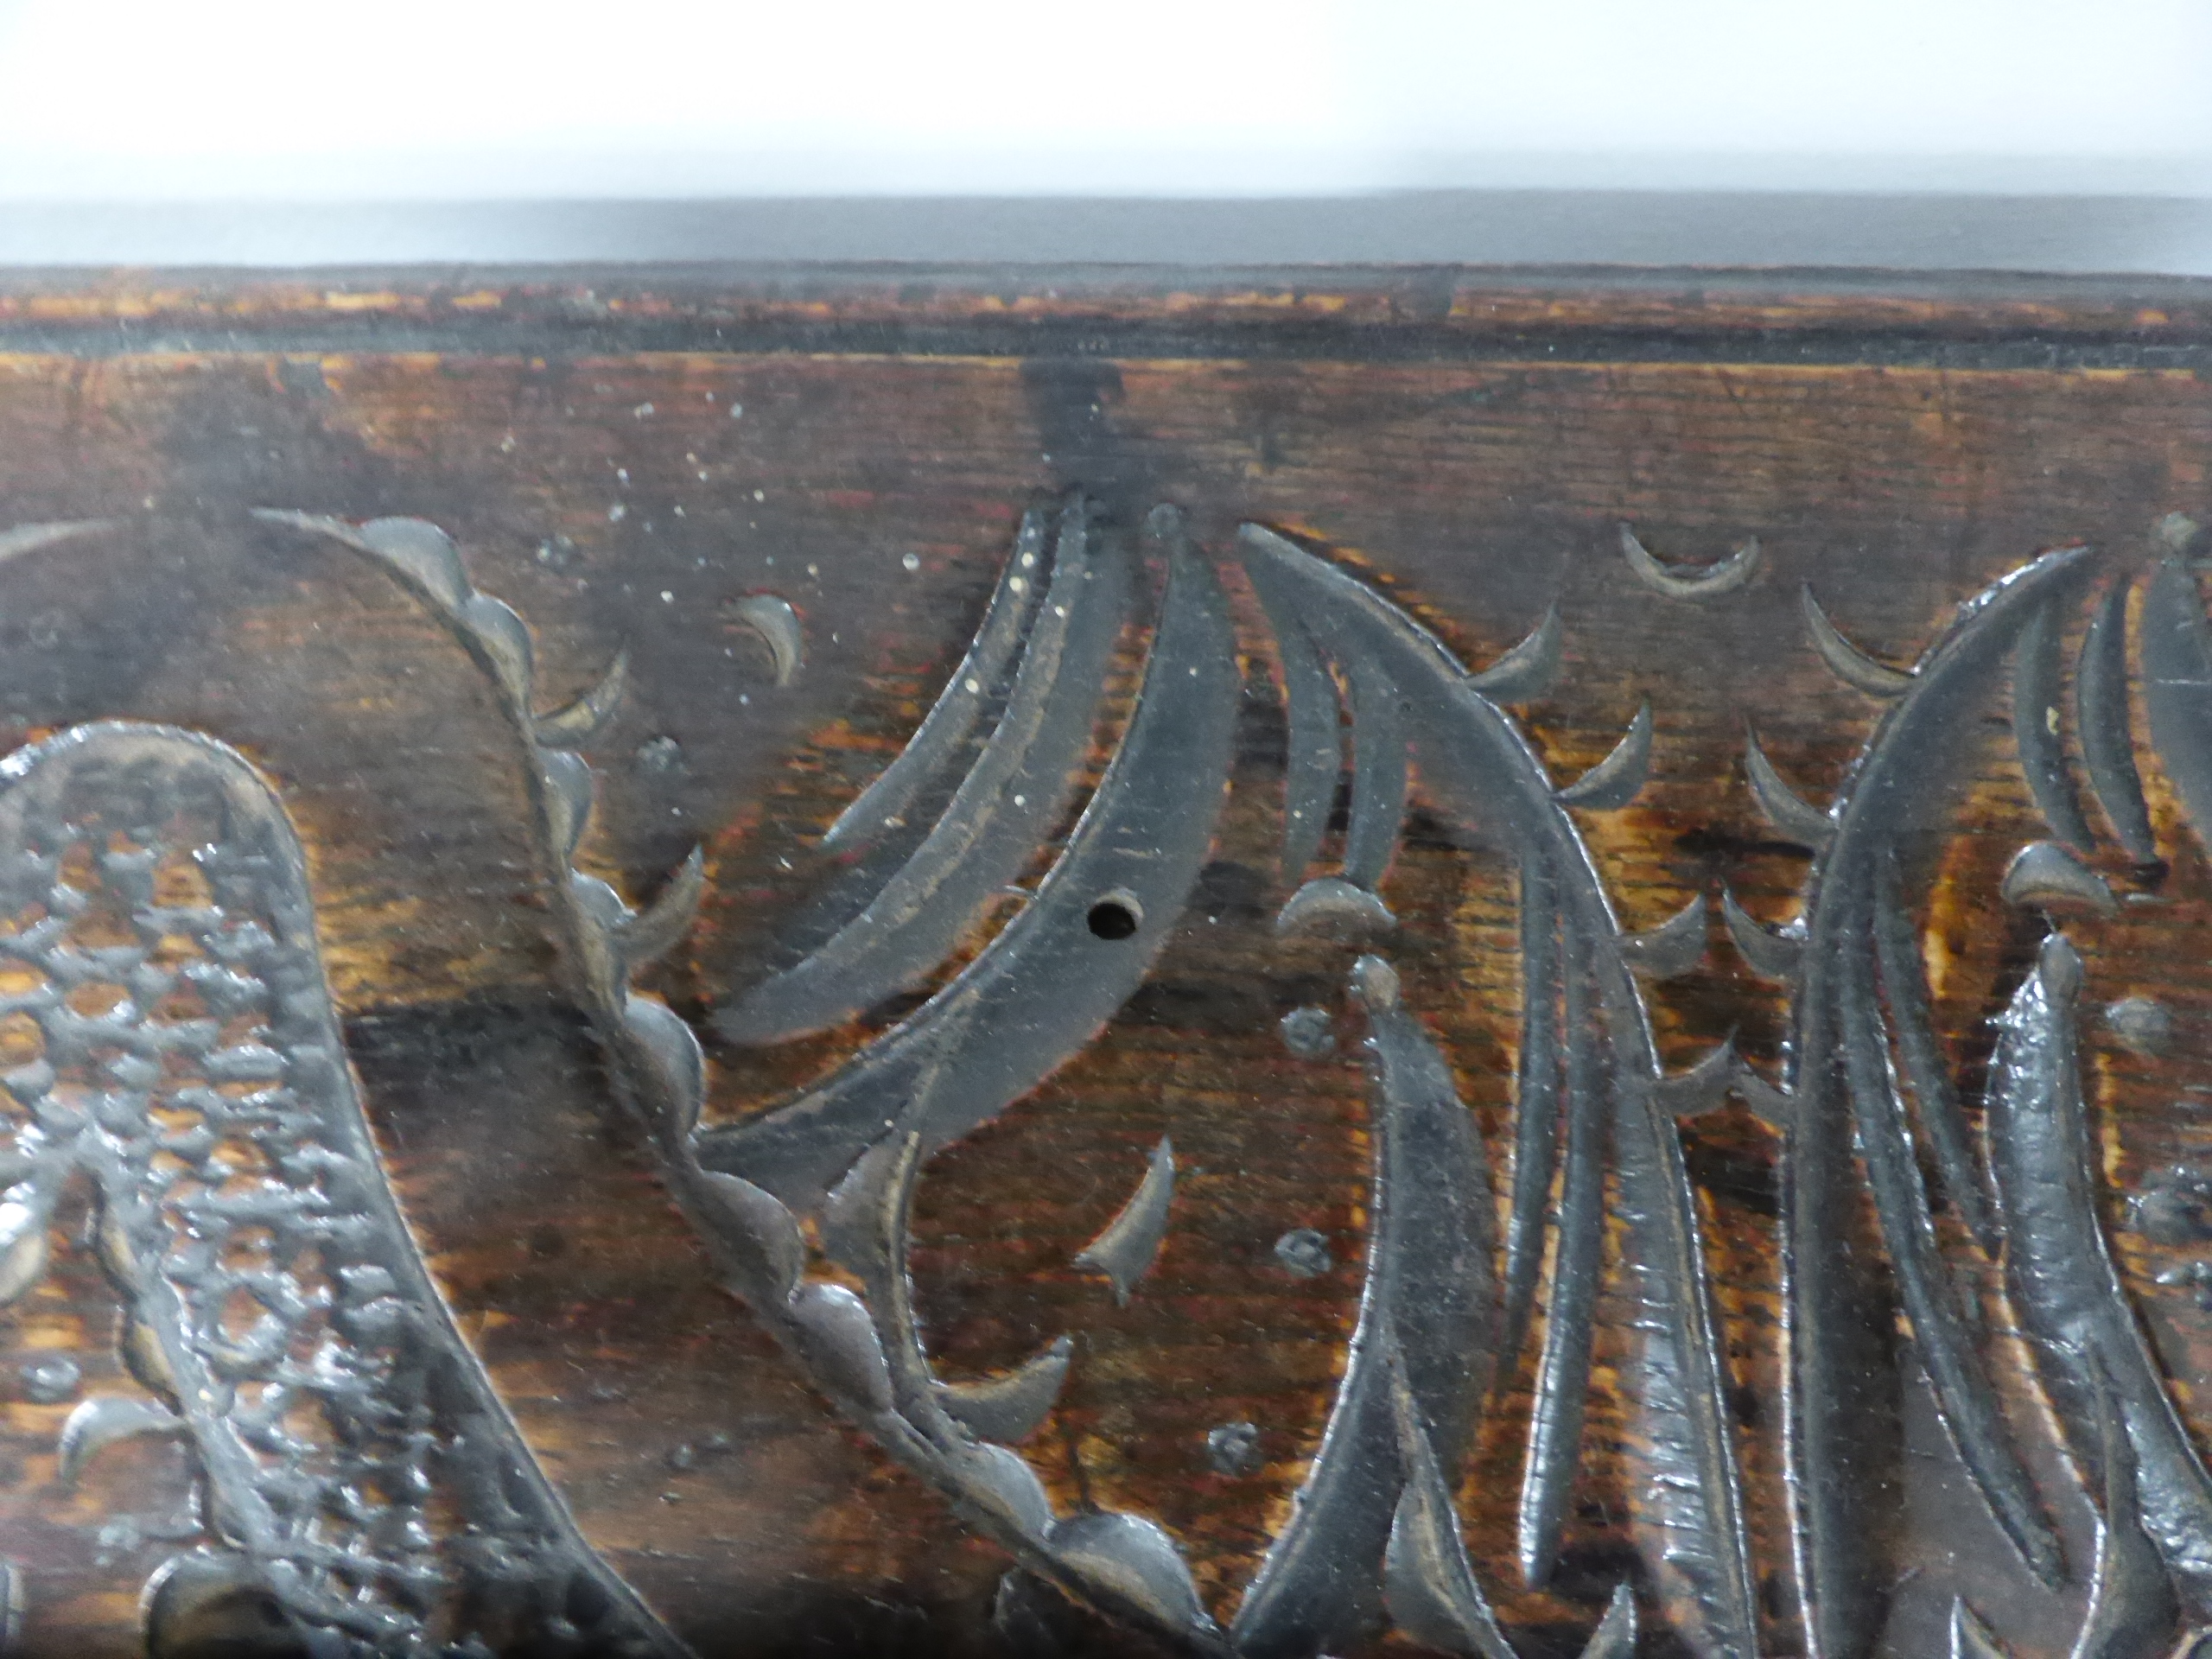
<point x="625" y="456"/>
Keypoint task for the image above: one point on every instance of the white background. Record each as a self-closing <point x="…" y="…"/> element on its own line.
<point x="351" y="101"/>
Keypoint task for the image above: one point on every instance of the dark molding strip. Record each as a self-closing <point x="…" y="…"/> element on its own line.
<point x="1042" y="307"/>
<point x="1865" y="347"/>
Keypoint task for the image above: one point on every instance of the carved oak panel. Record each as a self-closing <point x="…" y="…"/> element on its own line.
<point x="811" y="963"/>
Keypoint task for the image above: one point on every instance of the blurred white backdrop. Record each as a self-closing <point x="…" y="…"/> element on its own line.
<point x="145" y="100"/>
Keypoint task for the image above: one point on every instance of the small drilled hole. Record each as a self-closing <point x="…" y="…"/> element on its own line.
<point x="1115" y="917"/>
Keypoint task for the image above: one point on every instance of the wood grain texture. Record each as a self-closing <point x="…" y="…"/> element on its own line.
<point x="626" y="456"/>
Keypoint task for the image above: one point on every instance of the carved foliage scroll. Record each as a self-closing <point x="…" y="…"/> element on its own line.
<point x="170" y="1038"/>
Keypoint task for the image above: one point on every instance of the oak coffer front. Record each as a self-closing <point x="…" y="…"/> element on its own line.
<point x="1000" y="963"/>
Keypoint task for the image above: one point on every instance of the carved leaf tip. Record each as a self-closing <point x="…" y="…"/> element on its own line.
<point x="1126" y="1250"/>
<point x="106" y="1421"/>
<point x="1710" y="582"/>
<point x="1782" y="806"/>
<point x="1704" y="1087"/>
<point x="1429" y="1586"/>
<point x="577" y="723"/>
<point x="1850" y="664"/>
<point x="1529" y="669"/>
<point x="1773" y="952"/>
<point x="1010" y="1408"/>
<point x="1676" y="946"/>
<point x="1614" y="781"/>
<point x="863" y="1218"/>
<point x="645" y="935"/>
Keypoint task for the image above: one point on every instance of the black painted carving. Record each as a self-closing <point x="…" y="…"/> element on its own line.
<point x="170" y="1038"/>
<point x="999" y="1027"/>
<point x="1044" y="985"/>
<point x="1853" y="998"/>
<point x="1424" y="1351"/>
<point x="1587" y="1059"/>
<point x="1869" y="1095"/>
<point x="1374" y="1539"/>
<point x="2133" y="1608"/>
<point x="1004" y="806"/>
<point x="2097" y="1365"/>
